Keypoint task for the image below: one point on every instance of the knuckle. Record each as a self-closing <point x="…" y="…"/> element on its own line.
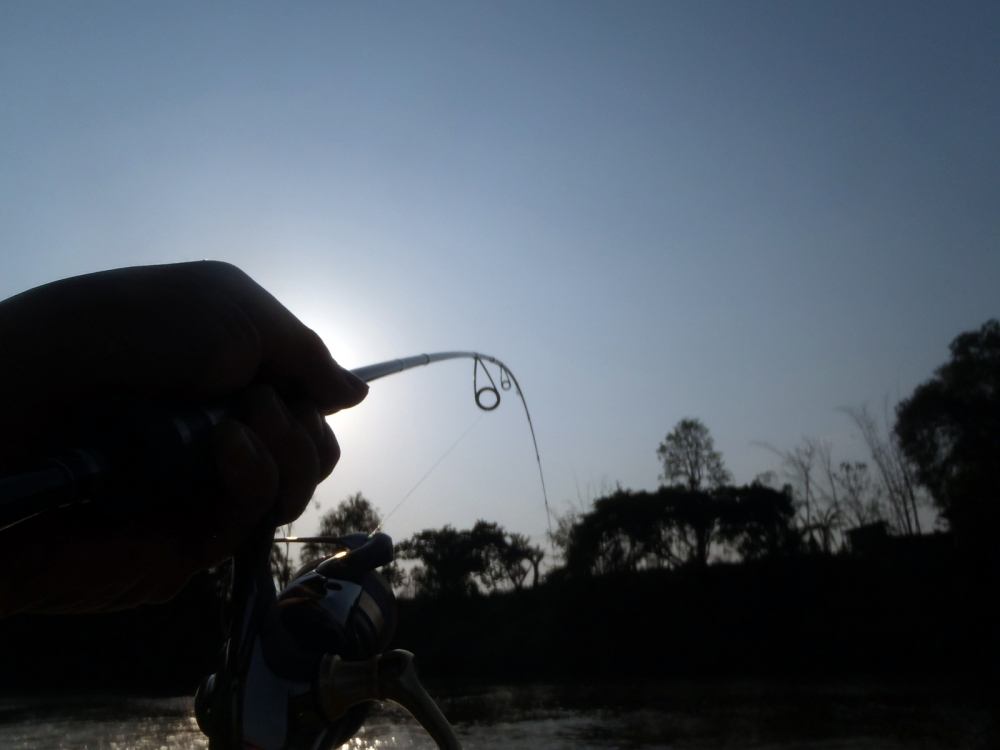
<point x="220" y="269"/>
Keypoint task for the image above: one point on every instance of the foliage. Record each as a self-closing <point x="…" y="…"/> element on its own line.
<point x="353" y="514"/>
<point x="694" y="521"/>
<point x="461" y="562"/>
<point x="629" y="531"/>
<point x="897" y="483"/>
<point x="507" y="557"/>
<point x="520" y="557"/>
<point x="625" y="531"/>
<point x="689" y="457"/>
<point x="950" y="428"/>
<point x="560" y="535"/>
<point x="757" y="521"/>
<point x="488" y="542"/>
<point x="448" y="561"/>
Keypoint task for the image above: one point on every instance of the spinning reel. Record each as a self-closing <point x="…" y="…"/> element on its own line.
<point x="302" y="668"/>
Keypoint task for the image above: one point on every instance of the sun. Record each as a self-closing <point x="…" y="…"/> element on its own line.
<point x="345" y="340"/>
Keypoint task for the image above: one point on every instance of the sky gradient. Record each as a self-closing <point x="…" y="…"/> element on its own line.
<point x="751" y="213"/>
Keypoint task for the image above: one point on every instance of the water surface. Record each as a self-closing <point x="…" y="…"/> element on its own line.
<point x="662" y="717"/>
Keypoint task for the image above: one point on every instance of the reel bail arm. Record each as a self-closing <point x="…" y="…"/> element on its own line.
<point x="388" y="676"/>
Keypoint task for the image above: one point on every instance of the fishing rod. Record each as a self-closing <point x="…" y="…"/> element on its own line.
<point x="151" y="447"/>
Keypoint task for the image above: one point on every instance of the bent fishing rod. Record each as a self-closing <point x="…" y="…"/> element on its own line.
<point x="153" y="449"/>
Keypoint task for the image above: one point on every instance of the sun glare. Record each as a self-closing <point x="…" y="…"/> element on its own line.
<point x="342" y="336"/>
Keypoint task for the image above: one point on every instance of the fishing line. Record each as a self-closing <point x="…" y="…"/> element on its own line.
<point x="507" y="375"/>
<point x="430" y="471"/>
<point x="491" y="392"/>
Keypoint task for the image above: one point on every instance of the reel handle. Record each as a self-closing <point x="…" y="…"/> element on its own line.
<point x="387" y="676"/>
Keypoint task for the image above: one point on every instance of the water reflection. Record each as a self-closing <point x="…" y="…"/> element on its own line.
<point x="677" y="717"/>
<point x="99" y="723"/>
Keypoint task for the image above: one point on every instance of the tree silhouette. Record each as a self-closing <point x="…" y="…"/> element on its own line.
<point x="353" y="514"/>
<point x="461" y="562"/>
<point x="899" y="484"/>
<point x="809" y="469"/>
<point x="488" y="541"/>
<point x="758" y="521"/>
<point x="624" y="532"/>
<point x="448" y="561"/>
<point x="950" y="428"/>
<point x="693" y="519"/>
<point x="508" y="558"/>
<point x="520" y="558"/>
<point x="689" y="457"/>
<point x="629" y="531"/>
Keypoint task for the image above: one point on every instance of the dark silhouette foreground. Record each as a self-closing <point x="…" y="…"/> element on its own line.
<point x="186" y="333"/>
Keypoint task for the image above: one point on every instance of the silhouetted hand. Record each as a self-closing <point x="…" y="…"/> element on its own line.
<point x="196" y="333"/>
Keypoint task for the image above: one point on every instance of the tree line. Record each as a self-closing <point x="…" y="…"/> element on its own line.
<point x="942" y="448"/>
<point x="449" y="561"/>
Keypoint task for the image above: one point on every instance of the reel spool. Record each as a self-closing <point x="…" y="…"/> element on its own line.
<point x="301" y="669"/>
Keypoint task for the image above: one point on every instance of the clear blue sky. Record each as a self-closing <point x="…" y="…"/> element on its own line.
<point x="748" y="212"/>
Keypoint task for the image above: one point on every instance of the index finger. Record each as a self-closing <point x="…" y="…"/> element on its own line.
<point x="290" y="353"/>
